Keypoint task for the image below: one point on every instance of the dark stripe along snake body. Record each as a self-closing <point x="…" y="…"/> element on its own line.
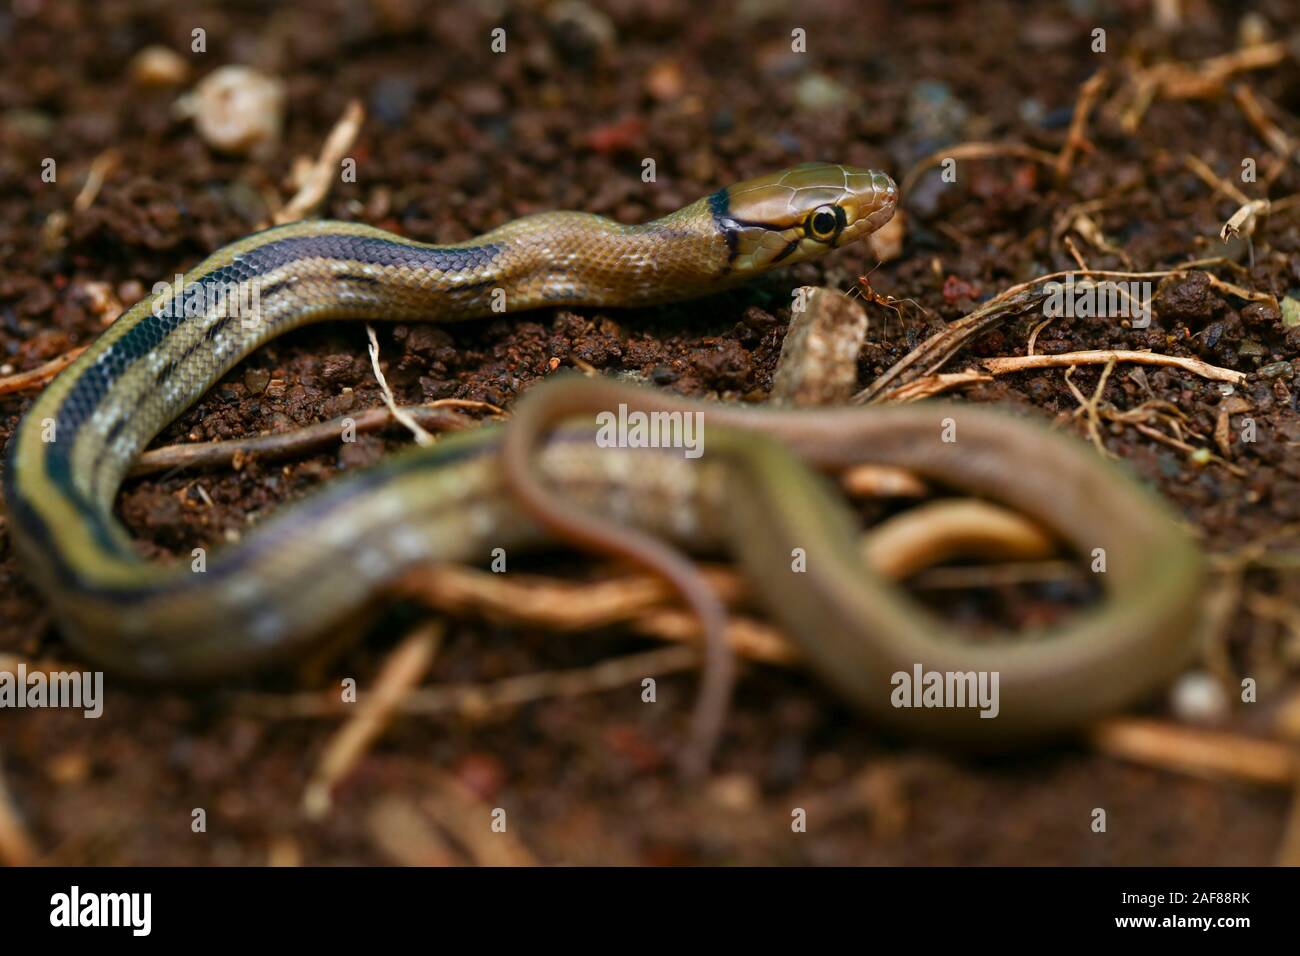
<point x="289" y="580"/>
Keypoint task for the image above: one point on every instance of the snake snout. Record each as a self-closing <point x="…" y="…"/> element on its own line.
<point x="871" y="196"/>
<point x="887" y="189"/>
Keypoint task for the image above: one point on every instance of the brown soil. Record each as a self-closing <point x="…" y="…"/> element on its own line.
<point x="458" y="140"/>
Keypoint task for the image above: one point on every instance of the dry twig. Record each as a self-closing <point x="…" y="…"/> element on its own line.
<point x="1197" y="752"/>
<point x="325" y="172"/>
<point x="1076" y="139"/>
<point x="1019" y="363"/>
<point x="439" y="415"/>
<point x="976" y="151"/>
<point x="422" y="436"/>
<point x="1256" y="109"/>
<point x="38" y="376"/>
<point x="100" y="169"/>
<point x="374" y="710"/>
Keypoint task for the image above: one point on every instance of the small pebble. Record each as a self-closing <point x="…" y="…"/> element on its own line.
<point x="664" y="80"/>
<point x="1197" y="697"/>
<point x="236" y="109"/>
<point x="159" y="66"/>
<point x="1253" y="30"/>
<point x="71" y="767"/>
<point x="734" y="791"/>
<point x="256" y="380"/>
<point x="1032" y="111"/>
<point x="1290" y="312"/>
<point x="581" y="31"/>
<point x="817" y="91"/>
<point x="132" y="290"/>
<point x="102" y="301"/>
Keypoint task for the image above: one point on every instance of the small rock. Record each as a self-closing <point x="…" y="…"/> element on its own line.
<point x="426" y="339"/>
<point x="433" y="389"/>
<point x="339" y="404"/>
<point x="1260" y="313"/>
<point x="1253" y="30"/>
<point x="1032" y="111"/>
<point x="159" y="66"/>
<point x="256" y="380"/>
<point x="1290" y="312"/>
<point x="236" y="109"/>
<point x="818" y="363"/>
<point x="1189" y="298"/>
<point x="817" y="91"/>
<point x="72" y="767"/>
<point x="734" y="791"/>
<point x="1197" y="697"/>
<point x="664" y="80"/>
<point x="581" y="32"/>
<point x="338" y="369"/>
<point x="132" y="290"/>
<point x="618" y="137"/>
<point x="957" y="290"/>
<point x="103" y="302"/>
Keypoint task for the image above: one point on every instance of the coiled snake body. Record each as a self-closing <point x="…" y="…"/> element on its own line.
<point x="293" y="577"/>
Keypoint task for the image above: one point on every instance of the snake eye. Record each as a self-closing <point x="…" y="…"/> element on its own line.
<point x="822" y="223"/>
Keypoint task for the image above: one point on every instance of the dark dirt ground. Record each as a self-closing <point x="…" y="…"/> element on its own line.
<point x="458" y="140"/>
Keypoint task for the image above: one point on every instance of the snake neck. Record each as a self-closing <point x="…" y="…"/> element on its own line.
<point x="580" y="259"/>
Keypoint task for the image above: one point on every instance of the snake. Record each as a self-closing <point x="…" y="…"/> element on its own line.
<point x="757" y="493"/>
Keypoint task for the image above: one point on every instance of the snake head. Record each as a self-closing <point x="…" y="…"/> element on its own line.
<point x="801" y="213"/>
